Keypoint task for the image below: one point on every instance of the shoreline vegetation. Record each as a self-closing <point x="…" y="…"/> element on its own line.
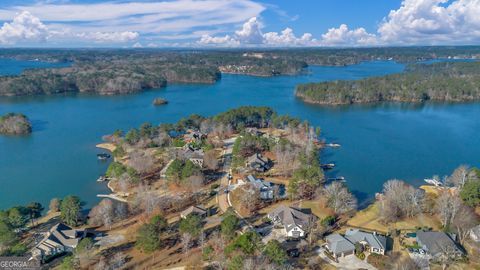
<point x="443" y="81"/>
<point x="15" y="124"/>
<point x="112" y="72"/>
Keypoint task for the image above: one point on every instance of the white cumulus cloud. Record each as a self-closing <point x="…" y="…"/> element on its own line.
<point x="24" y="27"/>
<point x="432" y="22"/>
<point x="342" y="36"/>
<point x="251" y="34"/>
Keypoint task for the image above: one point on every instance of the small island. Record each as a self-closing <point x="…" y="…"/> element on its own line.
<point x="15" y="124"/>
<point x="160" y="101"/>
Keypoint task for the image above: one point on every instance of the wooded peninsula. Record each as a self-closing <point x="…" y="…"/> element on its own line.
<point x="443" y="81"/>
<point x="115" y="71"/>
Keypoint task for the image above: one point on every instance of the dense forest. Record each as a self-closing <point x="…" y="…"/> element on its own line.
<point x="119" y="71"/>
<point x="444" y="81"/>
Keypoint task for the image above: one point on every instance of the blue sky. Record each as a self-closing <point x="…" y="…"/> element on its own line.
<point x="239" y="23"/>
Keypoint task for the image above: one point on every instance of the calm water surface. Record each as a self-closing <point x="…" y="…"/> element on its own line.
<point x="380" y="142"/>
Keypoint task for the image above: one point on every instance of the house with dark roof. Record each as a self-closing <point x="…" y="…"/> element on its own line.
<point x="438" y="243"/>
<point x="198" y="210"/>
<point x="192" y="154"/>
<point x="265" y="188"/>
<point x="257" y="162"/>
<point x="339" y="246"/>
<point x="193" y="136"/>
<point x="59" y="239"/>
<point x="295" y="222"/>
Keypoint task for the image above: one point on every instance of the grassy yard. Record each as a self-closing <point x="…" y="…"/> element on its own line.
<point x="318" y="208"/>
<point x="369" y="218"/>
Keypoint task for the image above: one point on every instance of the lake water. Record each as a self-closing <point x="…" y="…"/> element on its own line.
<point x="379" y="142"/>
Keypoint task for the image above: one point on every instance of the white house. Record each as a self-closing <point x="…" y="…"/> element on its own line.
<point x="296" y="222"/>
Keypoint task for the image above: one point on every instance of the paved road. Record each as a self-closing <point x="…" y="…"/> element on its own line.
<point x="223" y="198"/>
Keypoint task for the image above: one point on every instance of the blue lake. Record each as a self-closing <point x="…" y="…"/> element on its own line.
<point x="379" y="142"/>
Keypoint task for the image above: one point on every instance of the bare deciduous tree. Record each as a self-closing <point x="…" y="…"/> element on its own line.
<point x="448" y="206"/>
<point x="102" y="214"/>
<point x="464" y="221"/>
<point x="400" y="199"/>
<point x="250" y="197"/>
<point x="339" y="198"/>
<point x="459" y="176"/>
<point x="210" y="160"/>
<point x="54" y="205"/>
<point x="145" y="200"/>
<point x="195" y="182"/>
<point x="141" y="162"/>
<point x="287" y="159"/>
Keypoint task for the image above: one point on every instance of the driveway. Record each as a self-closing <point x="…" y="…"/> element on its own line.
<point x="422" y="261"/>
<point x="350" y="262"/>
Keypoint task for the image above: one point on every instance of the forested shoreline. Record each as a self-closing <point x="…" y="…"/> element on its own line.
<point x="443" y="81"/>
<point x="116" y="71"/>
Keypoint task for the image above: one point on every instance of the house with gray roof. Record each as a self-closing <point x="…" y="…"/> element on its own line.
<point x="198" y="210"/>
<point x="475" y="233"/>
<point x="265" y="188"/>
<point x="193" y="154"/>
<point x="257" y="162"/>
<point x="376" y="243"/>
<point x="59" y="239"/>
<point x="438" y="243"/>
<point x="339" y="246"/>
<point x="295" y="222"/>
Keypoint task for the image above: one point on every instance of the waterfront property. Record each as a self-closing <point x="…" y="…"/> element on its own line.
<point x="341" y="246"/>
<point x="373" y="242"/>
<point x="59" y="239"/>
<point x="72" y="135"/>
<point x="438" y="243"/>
<point x="295" y="222"/>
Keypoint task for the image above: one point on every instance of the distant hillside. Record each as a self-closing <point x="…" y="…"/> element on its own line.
<point x="445" y="81"/>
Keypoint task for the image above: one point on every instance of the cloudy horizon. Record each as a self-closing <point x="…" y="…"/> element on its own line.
<point x="240" y="23"/>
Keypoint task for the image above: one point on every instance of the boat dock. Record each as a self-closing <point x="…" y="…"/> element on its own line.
<point x="338" y="178"/>
<point x="113" y="197"/>
<point x="328" y="166"/>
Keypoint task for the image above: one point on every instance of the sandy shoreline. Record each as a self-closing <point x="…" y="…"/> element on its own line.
<point x="107" y="146"/>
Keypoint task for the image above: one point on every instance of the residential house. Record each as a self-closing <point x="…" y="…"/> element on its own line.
<point x="194" y="155"/>
<point x="475" y="233"/>
<point x="198" y="210"/>
<point x="193" y="136"/>
<point x="295" y="222"/>
<point x="265" y="188"/>
<point x="339" y="246"/>
<point x="258" y="163"/>
<point x="375" y="243"/>
<point x="254" y="131"/>
<point x="438" y="243"/>
<point x="59" y="239"/>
